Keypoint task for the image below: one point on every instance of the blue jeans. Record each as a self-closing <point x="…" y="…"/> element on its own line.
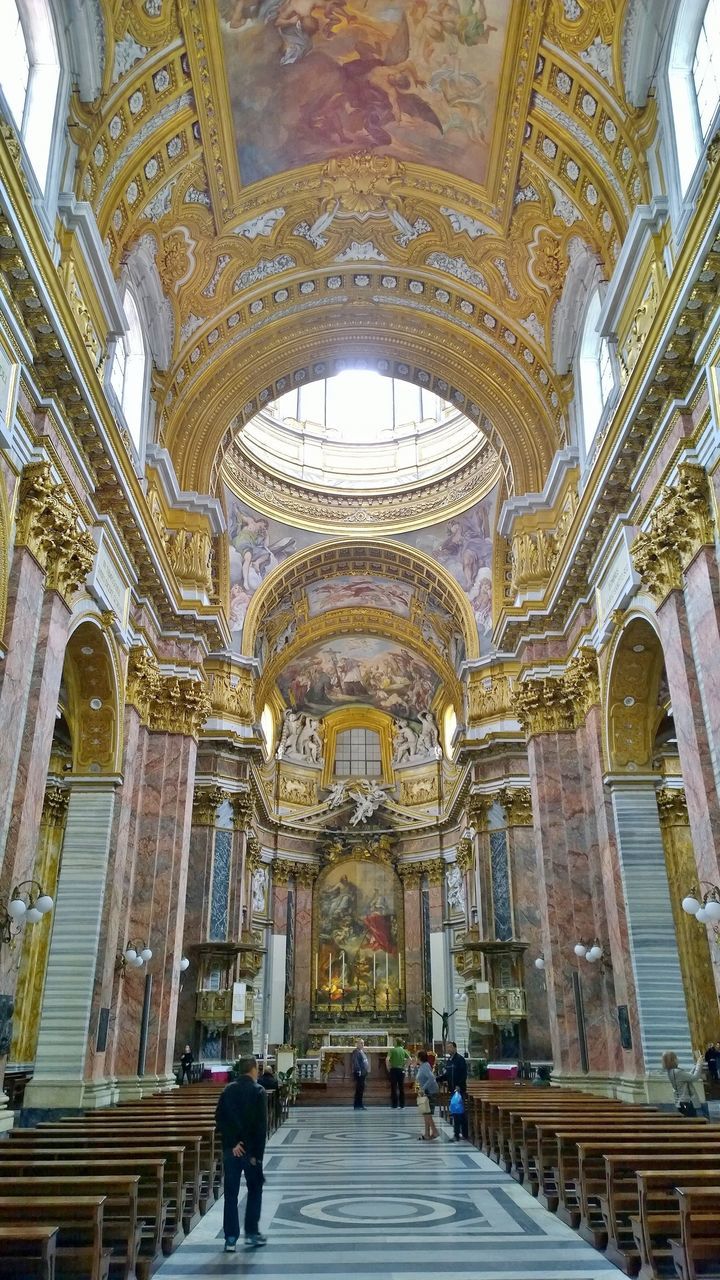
<point x="233" y="1169"/>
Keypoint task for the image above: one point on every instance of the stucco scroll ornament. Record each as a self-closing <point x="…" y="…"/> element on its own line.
<point x="360" y="187"/>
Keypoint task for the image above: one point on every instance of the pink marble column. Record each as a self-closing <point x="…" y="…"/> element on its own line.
<point x="303" y="961"/>
<point x="195" y="927"/>
<point x="413" y="962"/>
<point x="26" y="589"/>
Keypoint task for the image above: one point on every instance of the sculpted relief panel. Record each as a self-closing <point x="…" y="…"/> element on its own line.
<point x="308" y="80"/>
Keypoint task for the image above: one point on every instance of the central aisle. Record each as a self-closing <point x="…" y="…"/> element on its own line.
<point x="354" y="1194"/>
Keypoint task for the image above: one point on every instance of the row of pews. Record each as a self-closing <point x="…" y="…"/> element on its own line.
<point x="642" y="1185"/>
<point x="106" y="1195"/>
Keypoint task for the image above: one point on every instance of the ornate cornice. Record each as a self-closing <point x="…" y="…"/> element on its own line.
<point x="517" y="803"/>
<point x="205" y="803"/>
<point x="672" y="807"/>
<point x="544" y="706"/>
<point x="49" y="524"/>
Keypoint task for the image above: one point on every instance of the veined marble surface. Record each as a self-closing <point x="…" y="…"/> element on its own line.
<point x="354" y="1194"/>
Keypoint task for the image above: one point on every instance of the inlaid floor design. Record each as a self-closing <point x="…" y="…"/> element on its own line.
<point x="354" y="1194"/>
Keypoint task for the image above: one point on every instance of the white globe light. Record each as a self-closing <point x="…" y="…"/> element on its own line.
<point x="131" y="955"/>
<point x="594" y="953"/>
<point x="712" y="911"/>
<point x="44" y="903"/>
<point x="539" y="963"/>
<point x="33" y="915"/>
<point x="691" y="905"/>
<point x="146" y="953"/>
<point x="184" y="964"/>
<point x="137" y="963"/>
<point x="702" y="915"/>
<point x="17" y="908"/>
<point x="580" y="949"/>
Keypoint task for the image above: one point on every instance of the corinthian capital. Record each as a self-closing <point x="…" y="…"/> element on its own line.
<point x="50" y="526"/>
<point x="517" y="803"/>
<point x="182" y="706"/>
<point x="680" y="525"/>
<point x="582" y="681"/>
<point x="143" y="680"/>
<point x="544" y="706"/>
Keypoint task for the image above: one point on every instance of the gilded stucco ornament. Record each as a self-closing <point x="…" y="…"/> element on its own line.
<point x="544" y="706"/>
<point x="205" y="805"/>
<point x="190" y="554"/>
<point x="680" y="525"/>
<point x="231" y="694"/>
<point x="55" y="804"/>
<point x="582" y="681"/>
<point x="303" y="873"/>
<point x="672" y="807"/>
<point x="478" y="811"/>
<point x="294" y="789"/>
<point x="517" y="803"/>
<point x="464" y="853"/>
<point x="253" y="850"/>
<point x="143" y="680"/>
<point x="181" y="706"/>
<point x="369" y="848"/>
<point x="243" y="810"/>
<point x="411" y="874"/>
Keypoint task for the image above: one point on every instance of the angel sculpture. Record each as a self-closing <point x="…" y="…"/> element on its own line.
<point x="337" y="795"/>
<point x="367" y="802"/>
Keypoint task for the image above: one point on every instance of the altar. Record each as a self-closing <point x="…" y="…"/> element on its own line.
<point x="341" y="1045"/>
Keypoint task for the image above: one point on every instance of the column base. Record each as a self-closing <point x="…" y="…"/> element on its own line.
<point x="56" y="1096"/>
<point x="652" y="1089"/>
<point x="129" y="1088"/>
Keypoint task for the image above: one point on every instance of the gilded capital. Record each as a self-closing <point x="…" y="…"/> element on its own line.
<point x="411" y="874"/>
<point x="680" y="525"/>
<point x="142" y="682"/>
<point x="478" y="809"/>
<point x="243" y="809"/>
<point x="205" y="804"/>
<point x="434" y="869"/>
<point x="672" y="807"/>
<point x="582" y="681"/>
<point x="182" y="706"/>
<point x="464" y="853"/>
<point x="253" y="852"/>
<point x="55" y="805"/>
<point x="544" y="706"/>
<point x="693" y="513"/>
<point x="517" y="803"/>
<point x="50" y="526"/>
<point x="304" y="873"/>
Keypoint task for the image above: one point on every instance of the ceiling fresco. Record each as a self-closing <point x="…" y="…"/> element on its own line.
<point x="359" y="670"/>
<point x="256" y="545"/>
<point x="418" y="81"/>
<point x="368" y="593"/>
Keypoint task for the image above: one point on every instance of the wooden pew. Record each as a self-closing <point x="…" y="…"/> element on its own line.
<point x="158" y="1237"/>
<point x="30" y="1246"/>
<point x="699" y="1232"/>
<point x="520" y="1147"/>
<point x="537" y="1152"/>
<point x="621" y="1200"/>
<point x="659" y="1216"/>
<point x="121" y="1225"/>
<point x="79" y="1246"/>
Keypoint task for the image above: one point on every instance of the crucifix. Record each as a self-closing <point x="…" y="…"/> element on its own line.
<point x="445" y="1021"/>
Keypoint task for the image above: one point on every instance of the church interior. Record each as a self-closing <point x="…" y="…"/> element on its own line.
<point x="359" y="558"/>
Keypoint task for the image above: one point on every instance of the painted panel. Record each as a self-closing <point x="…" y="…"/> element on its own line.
<point x="368" y="593"/>
<point x="256" y="545"/>
<point x="365" y="670"/>
<point x="415" y="80"/>
<point x="358" y="936"/>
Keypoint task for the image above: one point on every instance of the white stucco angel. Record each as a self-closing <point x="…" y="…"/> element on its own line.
<point x="309" y="742"/>
<point x="404" y="742"/>
<point x="292" y="724"/>
<point x="429" y="739"/>
<point x="337" y="795"/>
<point x="367" y="801"/>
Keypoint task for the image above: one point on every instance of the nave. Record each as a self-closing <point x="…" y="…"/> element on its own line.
<point x="354" y="1194"/>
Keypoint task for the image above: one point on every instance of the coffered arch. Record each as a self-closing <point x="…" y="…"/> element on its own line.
<point x="244" y="375"/>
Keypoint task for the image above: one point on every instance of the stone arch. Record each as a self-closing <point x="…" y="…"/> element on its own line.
<point x="473" y="373"/>
<point x="93" y="684"/>
<point x="632" y="717"/>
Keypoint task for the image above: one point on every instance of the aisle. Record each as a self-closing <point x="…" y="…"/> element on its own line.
<point x="354" y="1194"/>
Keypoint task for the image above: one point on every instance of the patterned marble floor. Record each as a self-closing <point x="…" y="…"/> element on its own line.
<point x="354" y="1194"/>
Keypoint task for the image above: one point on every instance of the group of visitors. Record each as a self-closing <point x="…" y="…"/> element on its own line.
<point x="427" y="1084"/>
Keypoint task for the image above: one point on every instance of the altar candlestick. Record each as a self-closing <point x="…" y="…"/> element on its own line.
<point x="374" y="974"/>
<point x="343" y="970"/>
<point x="399" y="969"/>
<point x="330" y="971"/>
<point x="316" y="971"/>
<point x="386" y="968"/>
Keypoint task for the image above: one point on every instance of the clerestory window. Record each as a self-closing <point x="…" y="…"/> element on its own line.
<point x="30" y="77"/>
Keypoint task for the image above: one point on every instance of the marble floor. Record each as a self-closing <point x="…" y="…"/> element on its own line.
<point x="354" y="1194"/>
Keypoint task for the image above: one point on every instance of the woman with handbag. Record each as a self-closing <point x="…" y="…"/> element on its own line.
<point x="682" y="1082"/>
<point x="428" y="1089"/>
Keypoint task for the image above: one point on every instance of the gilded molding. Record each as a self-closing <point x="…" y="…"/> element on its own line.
<point x="517" y="803"/>
<point x="544" y="706"/>
<point x="205" y="804"/>
<point x="49" y="525"/>
<point x="672" y="807"/>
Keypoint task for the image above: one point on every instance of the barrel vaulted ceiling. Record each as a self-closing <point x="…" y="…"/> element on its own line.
<point x="305" y="185"/>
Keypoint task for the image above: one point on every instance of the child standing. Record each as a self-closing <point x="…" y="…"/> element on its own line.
<point x="457" y="1111"/>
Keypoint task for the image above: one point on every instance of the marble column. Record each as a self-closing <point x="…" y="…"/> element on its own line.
<point x="693" y="948"/>
<point x="198" y="898"/>
<point x="413" y="977"/>
<point x="517" y="803"/>
<point x="303" y="957"/>
<point x="58" y="1080"/>
<point x="25" y="596"/>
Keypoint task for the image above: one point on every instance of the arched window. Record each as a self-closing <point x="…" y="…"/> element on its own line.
<point x="597" y="376"/>
<point x="29" y="76"/>
<point x="127" y="377"/>
<point x="694" y="78"/>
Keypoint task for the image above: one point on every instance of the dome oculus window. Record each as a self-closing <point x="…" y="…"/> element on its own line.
<point x="30" y="76"/>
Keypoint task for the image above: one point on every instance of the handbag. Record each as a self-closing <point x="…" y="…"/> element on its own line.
<point x="687" y="1108"/>
<point x="423" y="1104"/>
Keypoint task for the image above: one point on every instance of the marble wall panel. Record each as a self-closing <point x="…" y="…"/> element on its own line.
<point x="413" y="963"/>
<point x="303" y="960"/>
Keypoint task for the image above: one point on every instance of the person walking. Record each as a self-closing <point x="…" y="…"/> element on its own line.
<point x="428" y="1089"/>
<point x="682" y="1081"/>
<point x="397" y="1061"/>
<point x="360" y="1066"/>
<point x="186" y="1062"/>
<point x="241" y="1117"/>
<point x="457" y="1111"/>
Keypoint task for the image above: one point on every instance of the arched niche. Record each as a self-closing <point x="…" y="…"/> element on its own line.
<point x="91" y="679"/>
<point x="635" y="705"/>
<point x="358" y="934"/>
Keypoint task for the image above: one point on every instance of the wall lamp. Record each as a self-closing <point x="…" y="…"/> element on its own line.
<point x="28" y="904"/>
<point x="133" y="957"/>
<point x="705" y="909"/>
<point x="590" y="951"/>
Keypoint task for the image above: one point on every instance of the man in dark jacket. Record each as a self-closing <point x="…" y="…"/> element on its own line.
<point x="456" y="1075"/>
<point x="241" y="1117"/>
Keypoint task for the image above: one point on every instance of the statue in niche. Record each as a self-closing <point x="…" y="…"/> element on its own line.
<point x="290" y="731"/>
<point x="429" y="738"/>
<point x="300" y="737"/>
<point x="259" y="889"/>
<point x="455" y="888"/>
<point x="405" y="742"/>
